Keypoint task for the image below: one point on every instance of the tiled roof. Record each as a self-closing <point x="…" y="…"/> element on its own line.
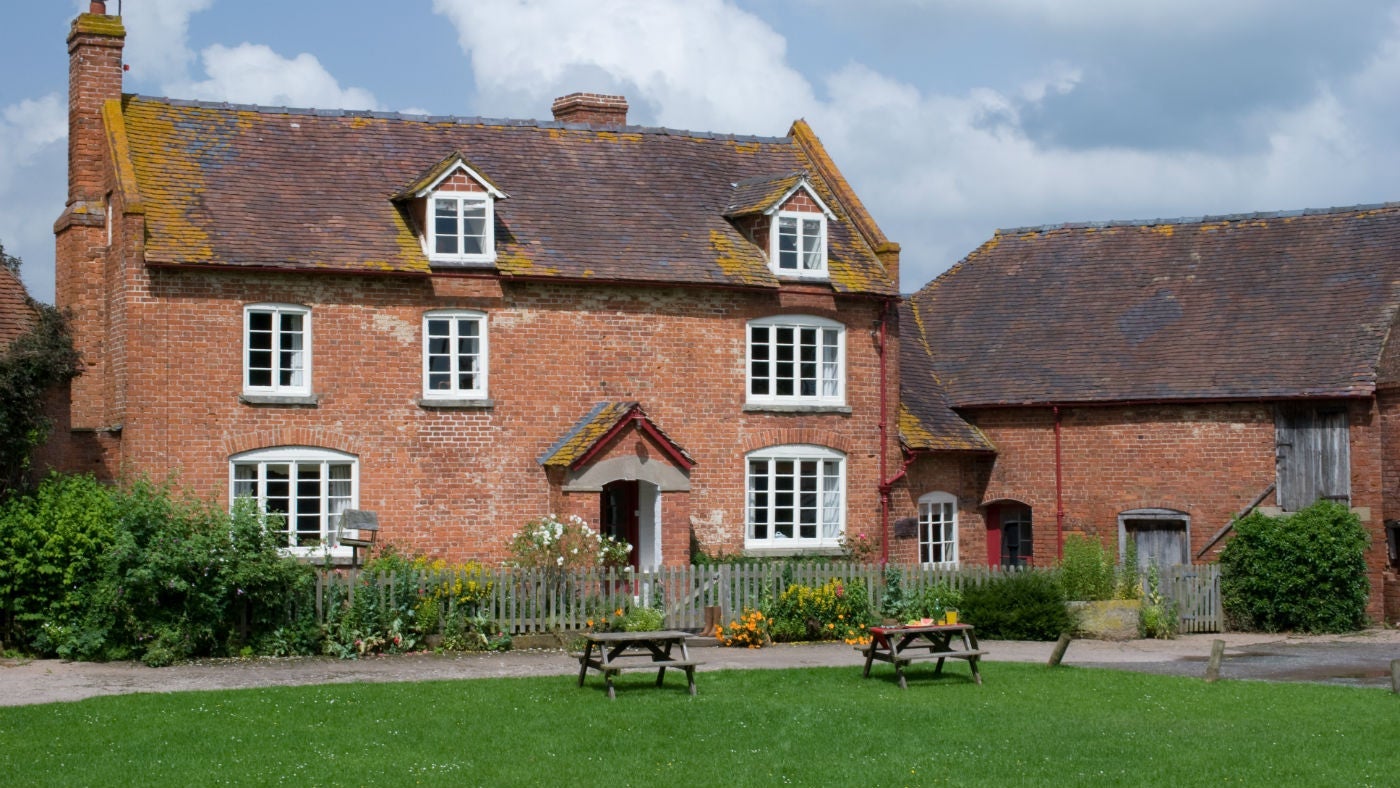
<point x="761" y="192"/>
<point x="16" y="312"/>
<point x="596" y="427"/>
<point x="275" y="188"/>
<point x="1251" y="306"/>
<point x="926" y="421"/>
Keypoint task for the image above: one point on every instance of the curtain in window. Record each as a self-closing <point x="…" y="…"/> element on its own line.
<point x="338" y="496"/>
<point x="831" y="380"/>
<point x="831" y="499"/>
<point x="812" y="258"/>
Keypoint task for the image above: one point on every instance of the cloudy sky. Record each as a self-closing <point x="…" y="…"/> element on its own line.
<point x="951" y="118"/>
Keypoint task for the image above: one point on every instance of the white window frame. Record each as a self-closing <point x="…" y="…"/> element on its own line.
<point x="809" y="265"/>
<point x="764" y="512"/>
<point x="828" y="390"/>
<point x="454" y="357"/>
<point x="462" y="199"/>
<point x="938" y="510"/>
<point x="295" y="459"/>
<point x="298" y="360"/>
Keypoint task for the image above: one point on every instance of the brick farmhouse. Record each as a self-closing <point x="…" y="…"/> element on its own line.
<point x="689" y="339"/>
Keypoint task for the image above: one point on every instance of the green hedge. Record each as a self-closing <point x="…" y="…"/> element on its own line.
<point x="1021" y="606"/>
<point x="1303" y="572"/>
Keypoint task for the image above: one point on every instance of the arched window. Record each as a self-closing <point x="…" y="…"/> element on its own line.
<point x="796" y="497"/>
<point x="938" y="529"/>
<point x="307" y="488"/>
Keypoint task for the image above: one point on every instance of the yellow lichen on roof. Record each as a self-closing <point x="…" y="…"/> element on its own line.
<point x="747" y="147"/>
<point x="515" y="262"/>
<point x="588" y="434"/>
<point x="912" y="430"/>
<point x="1166" y="230"/>
<point x="171" y="181"/>
<point x="361" y="122"/>
<point x="728" y="259"/>
<point x="986" y="248"/>
<point x="812" y="148"/>
<point x="120" y="150"/>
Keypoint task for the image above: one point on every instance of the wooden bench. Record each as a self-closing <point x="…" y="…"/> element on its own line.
<point x="901" y="646"/>
<point x="611" y="653"/>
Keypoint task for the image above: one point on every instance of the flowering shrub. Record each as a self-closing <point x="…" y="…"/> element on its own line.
<point x="859" y="548"/>
<point x="750" y="631"/>
<point x="836" y="610"/>
<point x="566" y="544"/>
<point x="637" y="618"/>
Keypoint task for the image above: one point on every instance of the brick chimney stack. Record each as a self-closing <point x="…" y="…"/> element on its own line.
<point x="592" y="108"/>
<point x="94" y="77"/>
<point x="84" y="240"/>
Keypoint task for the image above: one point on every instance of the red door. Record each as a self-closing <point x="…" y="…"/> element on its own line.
<point x="619" y="515"/>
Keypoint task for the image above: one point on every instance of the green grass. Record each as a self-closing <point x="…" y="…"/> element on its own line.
<point x="820" y="726"/>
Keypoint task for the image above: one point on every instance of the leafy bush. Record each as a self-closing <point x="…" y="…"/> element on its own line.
<point x="1157" y="618"/>
<point x="1304" y="572"/>
<point x="1089" y="572"/>
<point x="98" y="573"/>
<point x="1020" y="606"/>
<point x="836" y="610"/>
<point x="38" y="360"/>
<point x="397" y="601"/>
<point x="51" y="542"/>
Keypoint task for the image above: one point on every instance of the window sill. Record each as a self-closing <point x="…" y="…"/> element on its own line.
<point x="782" y="552"/>
<point x="307" y="401"/>
<point x="471" y="404"/>
<point x="776" y="408"/>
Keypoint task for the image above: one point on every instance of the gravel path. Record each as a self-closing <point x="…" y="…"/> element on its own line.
<point x="1362" y="659"/>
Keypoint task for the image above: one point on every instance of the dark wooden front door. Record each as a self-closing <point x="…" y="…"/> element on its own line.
<point x="619" y="515"/>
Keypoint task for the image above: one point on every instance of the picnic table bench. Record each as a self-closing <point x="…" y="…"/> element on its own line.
<point x="610" y="653"/>
<point x="902" y="645"/>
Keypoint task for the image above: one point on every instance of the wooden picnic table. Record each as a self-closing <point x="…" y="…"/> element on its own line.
<point x="901" y="645"/>
<point x="613" y="652"/>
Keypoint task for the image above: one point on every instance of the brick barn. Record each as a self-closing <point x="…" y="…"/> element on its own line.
<point x="1148" y="382"/>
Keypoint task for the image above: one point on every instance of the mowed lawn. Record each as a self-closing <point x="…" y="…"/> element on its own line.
<point x="1027" y="725"/>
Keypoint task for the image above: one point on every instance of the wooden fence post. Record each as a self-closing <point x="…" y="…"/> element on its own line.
<point x="1395" y="676"/>
<point x="1217" y="653"/>
<point x="1059" y="652"/>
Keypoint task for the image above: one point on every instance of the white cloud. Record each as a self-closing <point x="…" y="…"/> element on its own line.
<point x="700" y="64"/>
<point x="157" y="37"/>
<point x="33" y="134"/>
<point x="254" y="74"/>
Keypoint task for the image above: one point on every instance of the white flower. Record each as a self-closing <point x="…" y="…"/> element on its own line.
<point x="559" y="560"/>
<point x="629" y="548"/>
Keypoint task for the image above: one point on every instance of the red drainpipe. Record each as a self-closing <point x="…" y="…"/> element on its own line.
<point x="884" y="442"/>
<point x="1059" y="492"/>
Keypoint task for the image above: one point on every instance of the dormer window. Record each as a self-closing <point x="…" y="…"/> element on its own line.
<point x="784" y="214"/>
<point x="454" y="206"/>
<point x="799" y="241"/>
<point x="461" y="227"/>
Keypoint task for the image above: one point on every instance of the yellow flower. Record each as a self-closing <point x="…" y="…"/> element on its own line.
<point x="619" y="612"/>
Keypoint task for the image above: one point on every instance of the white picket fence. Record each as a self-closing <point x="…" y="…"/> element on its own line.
<point x="537" y="600"/>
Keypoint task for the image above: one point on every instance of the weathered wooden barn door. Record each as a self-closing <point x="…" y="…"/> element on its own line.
<point x="1313" y="455"/>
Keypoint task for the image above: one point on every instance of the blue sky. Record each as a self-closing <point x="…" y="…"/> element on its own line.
<point x="951" y="118"/>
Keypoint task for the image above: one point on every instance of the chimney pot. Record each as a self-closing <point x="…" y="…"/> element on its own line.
<point x="595" y="109"/>
<point x="97" y="7"/>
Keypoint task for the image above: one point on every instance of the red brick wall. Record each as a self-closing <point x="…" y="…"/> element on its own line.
<point x="458" y="482"/>
<point x="1209" y="461"/>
